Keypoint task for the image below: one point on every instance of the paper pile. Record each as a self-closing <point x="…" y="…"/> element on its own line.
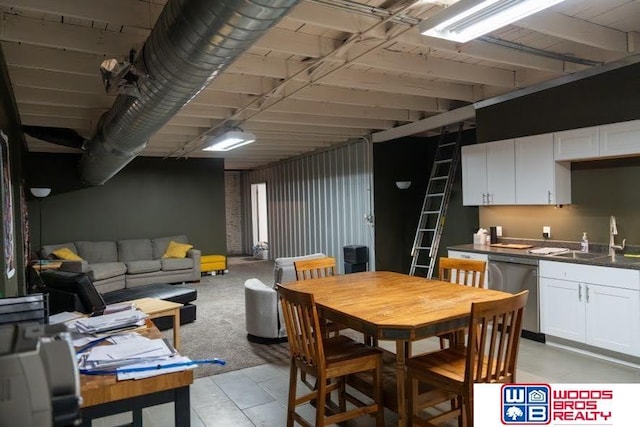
<point x="109" y="322"/>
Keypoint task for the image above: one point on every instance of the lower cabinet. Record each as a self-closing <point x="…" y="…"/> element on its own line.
<point x="599" y="315"/>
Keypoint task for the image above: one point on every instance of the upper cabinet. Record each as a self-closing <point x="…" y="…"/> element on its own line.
<point x="614" y="140"/>
<point x="488" y="174"/>
<point x="576" y="144"/>
<point x="539" y="179"/>
<point x="620" y="139"/>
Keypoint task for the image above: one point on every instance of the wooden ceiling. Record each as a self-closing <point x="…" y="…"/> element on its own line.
<point x="329" y="71"/>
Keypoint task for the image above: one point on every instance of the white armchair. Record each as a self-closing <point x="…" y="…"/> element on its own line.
<point x="263" y="317"/>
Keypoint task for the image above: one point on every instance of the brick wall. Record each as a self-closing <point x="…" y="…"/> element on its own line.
<point x="233" y="212"/>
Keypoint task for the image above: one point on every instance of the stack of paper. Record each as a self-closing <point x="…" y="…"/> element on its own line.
<point x="108" y="322"/>
<point x="130" y="351"/>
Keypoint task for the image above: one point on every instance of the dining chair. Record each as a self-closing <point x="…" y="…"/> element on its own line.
<point x="315" y="268"/>
<point x="490" y="356"/>
<point x="327" y="359"/>
<point x="468" y="272"/>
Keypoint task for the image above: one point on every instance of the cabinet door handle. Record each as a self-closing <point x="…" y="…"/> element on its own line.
<point x="484" y="200"/>
<point x="579" y="292"/>
<point x="587" y="289"/>
<point x="465" y="256"/>
<point x="549" y="196"/>
<point x="490" y="201"/>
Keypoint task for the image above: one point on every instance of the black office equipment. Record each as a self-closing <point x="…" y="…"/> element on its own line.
<point x="72" y="292"/>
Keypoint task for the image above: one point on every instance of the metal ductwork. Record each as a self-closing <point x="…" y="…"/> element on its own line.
<point x="192" y="42"/>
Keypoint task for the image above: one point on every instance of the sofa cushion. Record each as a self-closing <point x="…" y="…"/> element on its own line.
<point x="135" y="250"/>
<point x="105" y="270"/>
<point x="137" y="267"/>
<point x="171" y="264"/>
<point x="46" y="252"/>
<point x="98" y="252"/>
<point x="161" y="244"/>
<point x="285" y="270"/>
<point x="177" y="250"/>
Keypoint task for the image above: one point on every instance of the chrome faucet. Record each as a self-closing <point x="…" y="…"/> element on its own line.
<point x="613" y="231"/>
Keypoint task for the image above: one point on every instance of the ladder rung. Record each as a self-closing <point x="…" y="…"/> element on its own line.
<point x="430" y="212"/>
<point x="448" y="144"/>
<point x="440" y="178"/>
<point x="439" y="162"/>
<point x="421" y="266"/>
<point x="435" y="195"/>
<point x="423" y="248"/>
<point x="427" y="229"/>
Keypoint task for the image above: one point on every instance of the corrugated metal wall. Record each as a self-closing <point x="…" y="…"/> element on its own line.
<point x="317" y="203"/>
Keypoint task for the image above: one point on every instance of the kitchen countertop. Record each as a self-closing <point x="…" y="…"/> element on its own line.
<point x="620" y="261"/>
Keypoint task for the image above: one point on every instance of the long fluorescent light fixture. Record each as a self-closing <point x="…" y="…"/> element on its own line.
<point x="230" y="140"/>
<point x="469" y="19"/>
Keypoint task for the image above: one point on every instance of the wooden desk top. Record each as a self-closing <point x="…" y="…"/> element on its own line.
<point x="152" y="306"/>
<point x="98" y="389"/>
<point x="394" y="305"/>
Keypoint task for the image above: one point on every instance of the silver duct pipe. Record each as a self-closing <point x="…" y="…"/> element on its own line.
<point x="190" y="45"/>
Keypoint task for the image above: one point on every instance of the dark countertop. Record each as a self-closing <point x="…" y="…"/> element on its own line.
<point x="619" y="262"/>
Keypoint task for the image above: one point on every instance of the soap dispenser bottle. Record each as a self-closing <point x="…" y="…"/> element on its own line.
<point x="584" y="246"/>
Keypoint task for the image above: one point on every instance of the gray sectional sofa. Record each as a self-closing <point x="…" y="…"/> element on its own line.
<point x="114" y="265"/>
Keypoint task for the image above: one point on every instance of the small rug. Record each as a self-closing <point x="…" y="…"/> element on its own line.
<point x="219" y="330"/>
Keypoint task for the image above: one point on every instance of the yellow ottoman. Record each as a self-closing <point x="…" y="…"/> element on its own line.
<point x="214" y="264"/>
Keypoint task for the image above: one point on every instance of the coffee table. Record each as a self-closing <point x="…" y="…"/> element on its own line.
<point x="155" y="308"/>
<point x="103" y="395"/>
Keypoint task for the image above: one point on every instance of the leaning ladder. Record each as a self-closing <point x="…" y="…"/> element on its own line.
<point x="436" y="200"/>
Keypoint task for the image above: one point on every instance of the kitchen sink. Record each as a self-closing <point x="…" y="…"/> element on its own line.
<point x="580" y="255"/>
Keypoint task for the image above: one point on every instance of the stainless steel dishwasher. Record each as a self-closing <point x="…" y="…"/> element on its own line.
<point x="515" y="274"/>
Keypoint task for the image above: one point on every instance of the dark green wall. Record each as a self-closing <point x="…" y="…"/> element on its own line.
<point x="9" y="124"/>
<point x="397" y="211"/>
<point x="149" y="198"/>
<point x="599" y="190"/>
<point x="605" y="98"/>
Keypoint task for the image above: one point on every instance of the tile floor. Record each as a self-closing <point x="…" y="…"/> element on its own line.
<point x="257" y="396"/>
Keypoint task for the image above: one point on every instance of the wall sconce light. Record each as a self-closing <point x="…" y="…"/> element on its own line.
<point x="229" y="140"/>
<point x="403" y="185"/>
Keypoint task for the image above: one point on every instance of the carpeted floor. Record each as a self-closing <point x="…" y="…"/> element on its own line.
<point x="219" y="330"/>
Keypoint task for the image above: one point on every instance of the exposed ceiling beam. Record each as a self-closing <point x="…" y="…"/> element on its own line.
<point x="141" y="14"/>
<point x="450" y="117"/>
<point x="577" y="30"/>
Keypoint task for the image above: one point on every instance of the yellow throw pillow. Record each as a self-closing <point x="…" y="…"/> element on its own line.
<point x="177" y="250"/>
<point x="66" y="254"/>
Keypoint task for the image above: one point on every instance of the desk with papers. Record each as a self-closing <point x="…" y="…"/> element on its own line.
<point x="105" y="395"/>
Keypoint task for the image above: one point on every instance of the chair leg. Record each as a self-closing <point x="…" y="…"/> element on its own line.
<point x="293" y="381"/>
<point x="379" y="394"/>
<point x="342" y="394"/>
<point x="321" y="391"/>
<point x="467" y="407"/>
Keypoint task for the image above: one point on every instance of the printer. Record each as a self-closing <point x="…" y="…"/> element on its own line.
<point x="39" y="380"/>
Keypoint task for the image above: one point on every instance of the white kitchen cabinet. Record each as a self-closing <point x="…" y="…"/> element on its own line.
<point x="488" y="173"/>
<point x="620" y="139"/>
<point x="474" y="175"/>
<point x="598" y="306"/>
<point x="576" y="144"/>
<point x="561" y="309"/>
<point x="539" y="179"/>
<point x="471" y="255"/>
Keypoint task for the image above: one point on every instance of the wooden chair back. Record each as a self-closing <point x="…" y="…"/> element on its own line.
<point x="494" y="338"/>
<point x="468" y="272"/>
<point x="303" y="327"/>
<point x="315" y="268"/>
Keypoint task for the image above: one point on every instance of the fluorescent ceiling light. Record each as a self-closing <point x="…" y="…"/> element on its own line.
<point x="230" y="140"/>
<point x="468" y="19"/>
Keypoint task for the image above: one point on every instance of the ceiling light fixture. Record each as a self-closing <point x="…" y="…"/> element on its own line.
<point x="229" y="140"/>
<point x="469" y="19"/>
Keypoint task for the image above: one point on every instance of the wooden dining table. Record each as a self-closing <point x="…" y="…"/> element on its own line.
<point x="394" y="306"/>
